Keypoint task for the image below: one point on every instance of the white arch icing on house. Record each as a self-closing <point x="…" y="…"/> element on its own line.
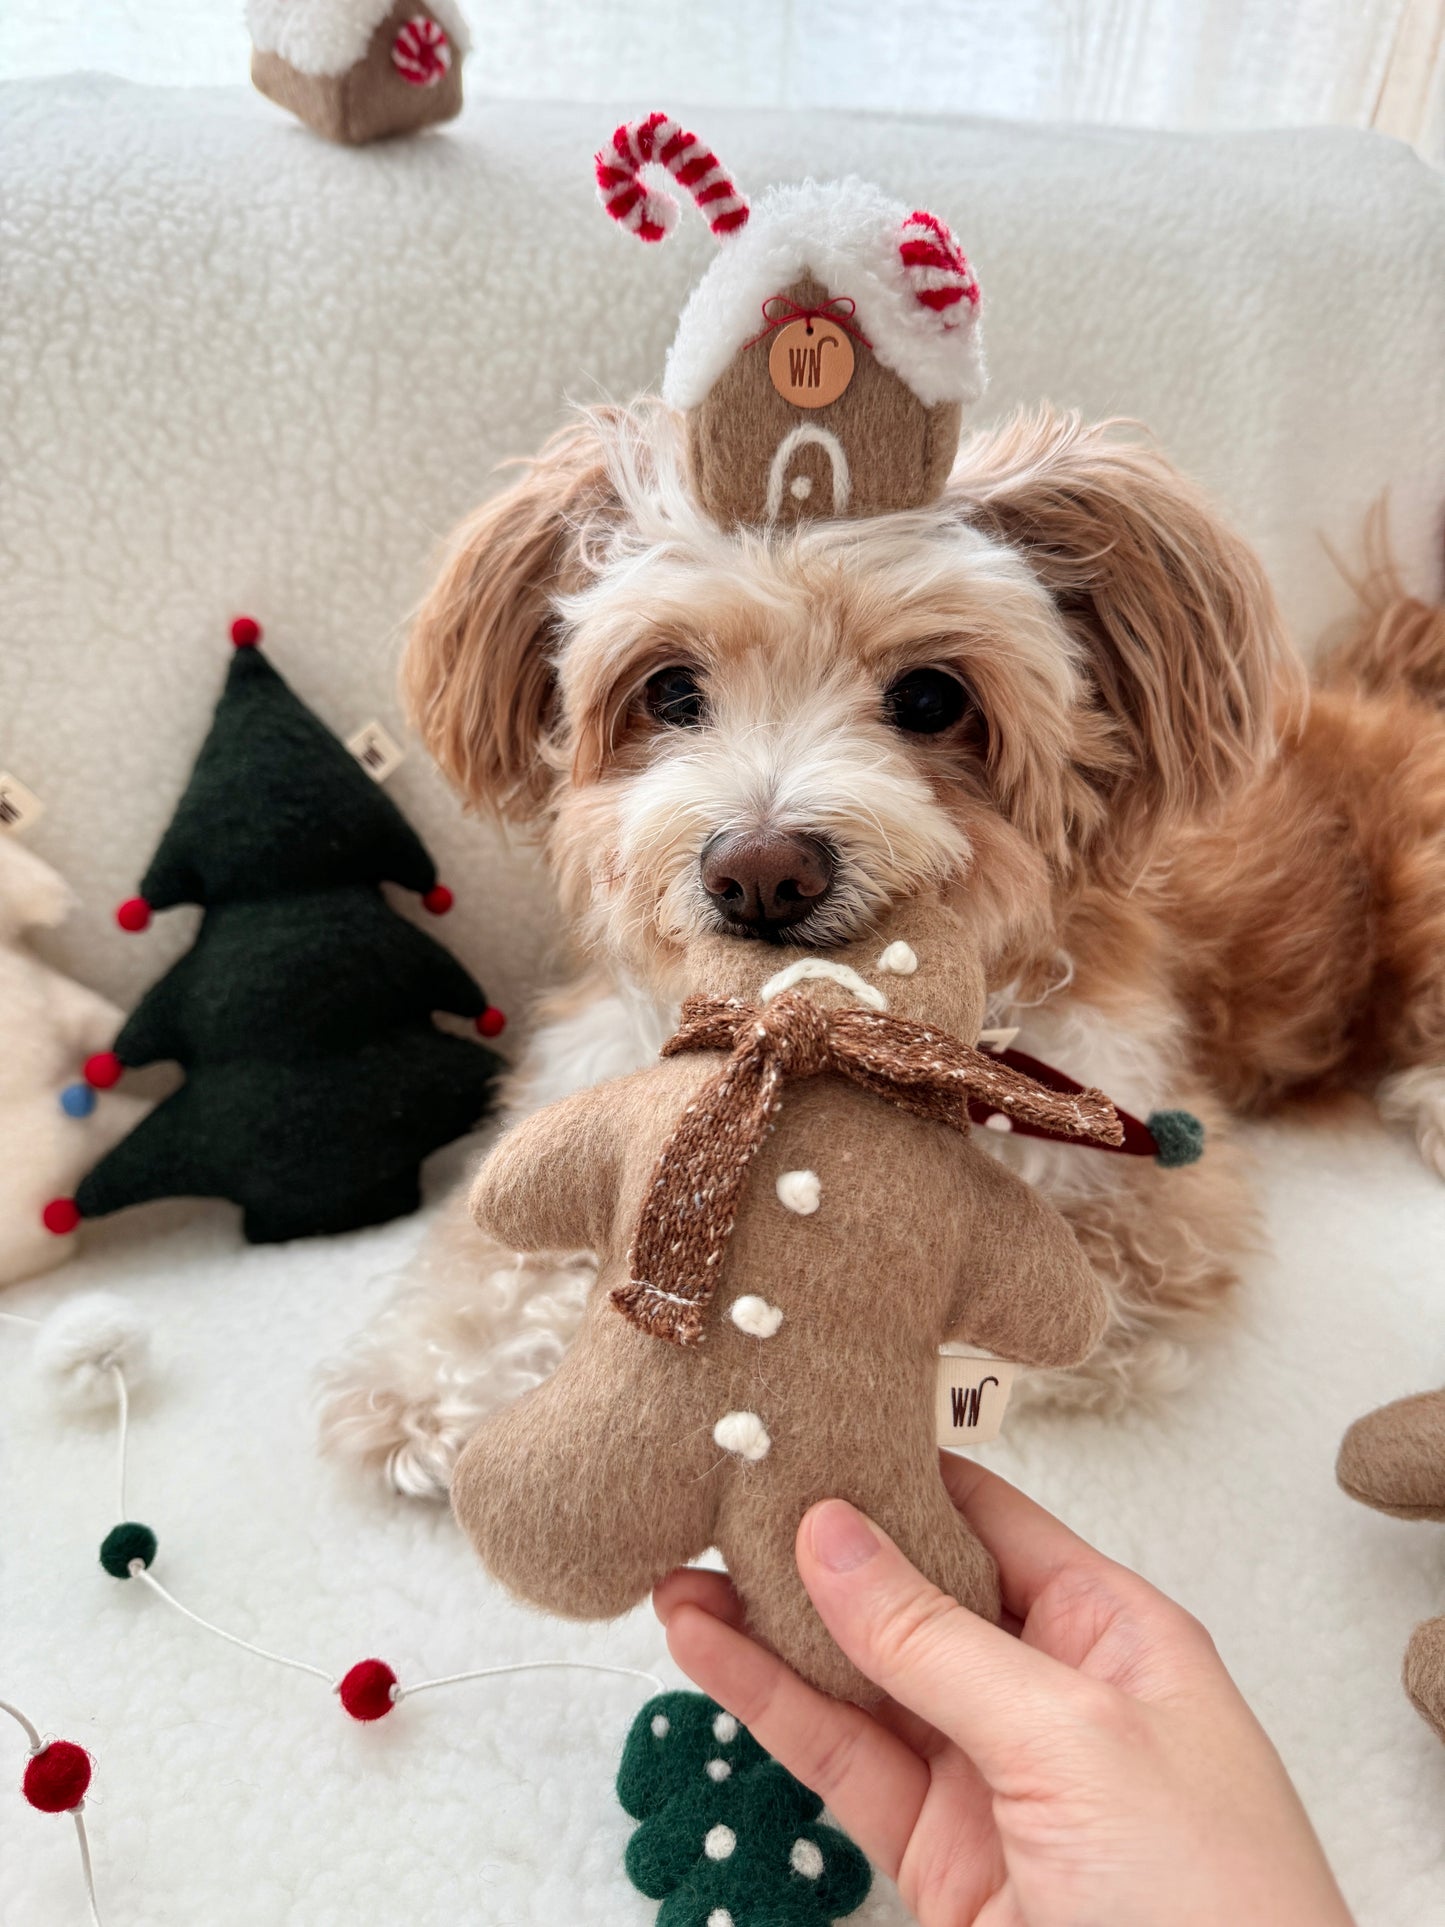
<point x="795" y="439"/>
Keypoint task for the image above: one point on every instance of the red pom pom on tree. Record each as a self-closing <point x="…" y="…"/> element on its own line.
<point x="134" y="914"/>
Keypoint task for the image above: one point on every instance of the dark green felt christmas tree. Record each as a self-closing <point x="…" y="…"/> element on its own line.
<point x="728" y="1838"/>
<point x="316" y="1080"/>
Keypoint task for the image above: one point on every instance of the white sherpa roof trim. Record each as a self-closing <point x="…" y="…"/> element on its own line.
<point x="846" y="234"/>
<point x="328" y="37"/>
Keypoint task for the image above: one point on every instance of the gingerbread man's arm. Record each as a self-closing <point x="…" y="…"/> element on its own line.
<point x="1025" y="1289"/>
<point x="550" y="1183"/>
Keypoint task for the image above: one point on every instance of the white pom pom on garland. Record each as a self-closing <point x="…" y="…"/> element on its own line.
<point x="79" y="1345"/>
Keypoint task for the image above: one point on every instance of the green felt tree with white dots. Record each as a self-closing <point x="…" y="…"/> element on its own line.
<point x="727" y="1837"/>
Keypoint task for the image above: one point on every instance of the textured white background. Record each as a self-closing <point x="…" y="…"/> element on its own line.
<point x="241" y="368"/>
<point x="1149" y="63"/>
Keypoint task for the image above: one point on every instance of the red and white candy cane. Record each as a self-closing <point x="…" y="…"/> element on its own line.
<point x="650" y="212"/>
<point x="421" y="52"/>
<point x="937" y="268"/>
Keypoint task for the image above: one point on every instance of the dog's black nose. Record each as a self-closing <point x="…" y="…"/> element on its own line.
<point x="763" y="880"/>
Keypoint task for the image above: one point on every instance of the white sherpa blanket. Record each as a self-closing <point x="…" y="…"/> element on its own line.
<point x="246" y="370"/>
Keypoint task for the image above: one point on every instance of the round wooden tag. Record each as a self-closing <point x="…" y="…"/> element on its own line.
<point x="811" y="362"/>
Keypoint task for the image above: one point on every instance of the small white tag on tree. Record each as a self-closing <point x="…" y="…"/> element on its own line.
<point x="973" y="1393"/>
<point x="19" y="807"/>
<point x="377" y="751"/>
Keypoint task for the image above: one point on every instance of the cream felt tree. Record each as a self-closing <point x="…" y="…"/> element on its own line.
<point x="54" y="1123"/>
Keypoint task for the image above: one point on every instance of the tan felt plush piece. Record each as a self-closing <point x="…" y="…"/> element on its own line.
<point x="1394" y="1460"/>
<point x="782" y="1350"/>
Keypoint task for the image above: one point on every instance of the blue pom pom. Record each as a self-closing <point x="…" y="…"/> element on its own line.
<point x="77" y="1100"/>
<point x="1179" y="1137"/>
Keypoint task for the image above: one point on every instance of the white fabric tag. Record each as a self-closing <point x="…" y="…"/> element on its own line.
<point x="377" y="752"/>
<point x="999" y="1038"/>
<point x="19" y="807"/>
<point x="973" y="1393"/>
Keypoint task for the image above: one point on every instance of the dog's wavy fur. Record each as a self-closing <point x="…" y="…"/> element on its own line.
<point x="1198" y="885"/>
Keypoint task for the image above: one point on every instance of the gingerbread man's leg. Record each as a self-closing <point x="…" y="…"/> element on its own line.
<point x="581" y="1495"/>
<point x="757" y="1530"/>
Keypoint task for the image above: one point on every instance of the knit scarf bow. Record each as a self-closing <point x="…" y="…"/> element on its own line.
<point x="692" y="1198"/>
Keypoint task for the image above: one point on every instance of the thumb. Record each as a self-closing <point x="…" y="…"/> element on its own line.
<point x="993" y="1696"/>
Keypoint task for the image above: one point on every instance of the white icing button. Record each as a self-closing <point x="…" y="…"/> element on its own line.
<point x="800" y="1191"/>
<point x="996" y="1121"/>
<point x="900" y="958"/>
<point x="719" y="1917"/>
<point x="718" y="1842"/>
<point x="743" y="1433"/>
<point x="801" y="487"/>
<point x="755" y="1316"/>
<point x="661" y="1726"/>
<point x="725" y="1729"/>
<point x="717" y="1769"/>
<point x="807" y="1859"/>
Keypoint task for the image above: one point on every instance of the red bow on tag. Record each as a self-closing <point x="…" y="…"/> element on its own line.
<point x="839" y="308"/>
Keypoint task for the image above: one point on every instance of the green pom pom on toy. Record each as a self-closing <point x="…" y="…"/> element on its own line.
<point x="726" y="1833"/>
<point x="124" y="1543"/>
<point x="1179" y="1136"/>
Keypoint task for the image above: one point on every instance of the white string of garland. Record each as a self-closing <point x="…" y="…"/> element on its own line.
<point x="87" y="1348"/>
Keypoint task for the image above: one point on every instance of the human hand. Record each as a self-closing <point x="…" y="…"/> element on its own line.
<point x="1089" y="1762"/>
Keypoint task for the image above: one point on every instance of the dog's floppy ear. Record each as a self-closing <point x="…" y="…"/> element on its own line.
<point x="477" y="674"/>
<point x="1172" y="611"/>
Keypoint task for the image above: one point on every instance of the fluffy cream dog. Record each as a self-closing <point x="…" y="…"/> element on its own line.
<point x="1063" y="691"/>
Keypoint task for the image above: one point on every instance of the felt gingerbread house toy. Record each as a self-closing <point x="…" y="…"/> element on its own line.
<point x="360" y="70"/>
<point x="790" y="1218"/>
<point x="57" y="1112"/>
<point x="824" y="360"/>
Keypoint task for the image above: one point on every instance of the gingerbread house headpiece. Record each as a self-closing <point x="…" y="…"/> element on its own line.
<point x="823" y="361"/>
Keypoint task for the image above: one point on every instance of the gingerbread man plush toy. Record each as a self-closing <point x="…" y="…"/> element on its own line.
<point x="790" y="1218"/>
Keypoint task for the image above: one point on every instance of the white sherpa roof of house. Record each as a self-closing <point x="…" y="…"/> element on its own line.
<point x="327" y="37"/>
<point x="845" y="234"/>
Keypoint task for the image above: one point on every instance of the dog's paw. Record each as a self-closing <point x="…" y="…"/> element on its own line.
<point x="1416" y="1098"/>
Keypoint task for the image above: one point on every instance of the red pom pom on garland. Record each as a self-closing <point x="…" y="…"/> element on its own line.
<point x="103" y="1070"/>
<point x="492" y="1022"/>
<point x="61" y="1216"/>
<point x="438" y="900"/>
<point x="366" y="1691"/>
<point x="56" y="1777"/>
<point x="134" y="914"/>
<point x="245" y="632"/>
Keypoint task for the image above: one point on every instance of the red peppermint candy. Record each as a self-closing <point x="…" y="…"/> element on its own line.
<point x="936" y="268"/>
<point x="421" y="52"/>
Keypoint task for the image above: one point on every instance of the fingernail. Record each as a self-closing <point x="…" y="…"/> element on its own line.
<point x="843" y="1540"/>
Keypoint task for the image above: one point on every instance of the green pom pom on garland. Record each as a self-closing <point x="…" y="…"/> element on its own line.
<point x="124" y="1543"/>
<point x="726" y="1833"/>
<point x="1179" y="1136"/>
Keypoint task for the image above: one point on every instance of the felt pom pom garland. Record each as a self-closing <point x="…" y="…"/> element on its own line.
<point x="93" y="1347"/>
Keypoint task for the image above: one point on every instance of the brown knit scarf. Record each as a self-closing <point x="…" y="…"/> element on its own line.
<point x="687" y="1215"/>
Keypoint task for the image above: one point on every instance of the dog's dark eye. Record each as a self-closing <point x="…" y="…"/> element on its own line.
<point x="674" y="696"/>
<point x="926" y="701"/>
